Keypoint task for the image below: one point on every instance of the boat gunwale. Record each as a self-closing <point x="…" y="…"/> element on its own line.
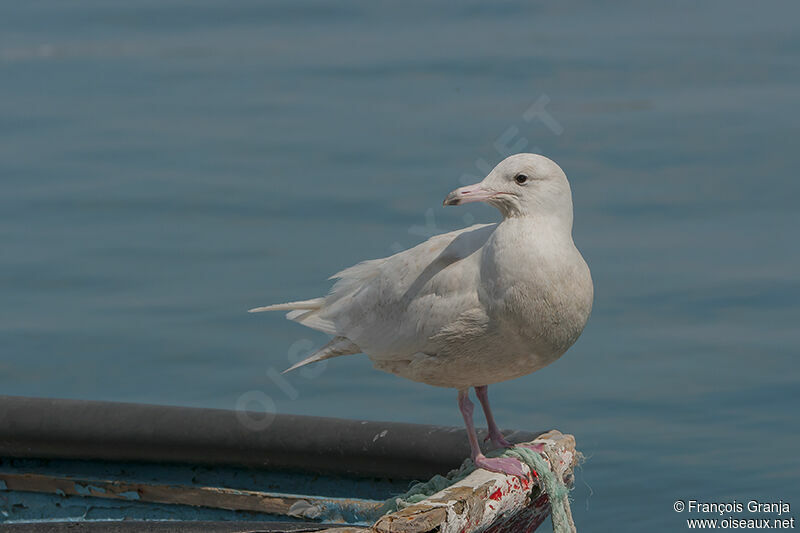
<point x="45" y="428"/>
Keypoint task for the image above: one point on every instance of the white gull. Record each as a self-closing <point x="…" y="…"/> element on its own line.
<point x="472" y="307"/>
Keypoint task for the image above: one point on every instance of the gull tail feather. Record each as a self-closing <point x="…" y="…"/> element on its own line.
<point x="305" y="312"/>
<point x="314" y="303"/>
<point x="336" y="347"/>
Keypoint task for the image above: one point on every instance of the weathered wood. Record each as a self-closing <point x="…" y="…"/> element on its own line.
<point x="214" y="497"/>
<point x="173" y="526"/>
<point x="487" y="501"/>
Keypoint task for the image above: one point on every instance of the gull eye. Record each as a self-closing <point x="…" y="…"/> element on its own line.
<point x="521" y="179"/>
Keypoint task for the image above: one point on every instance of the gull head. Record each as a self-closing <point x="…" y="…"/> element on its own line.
<point x="521" y="185"/>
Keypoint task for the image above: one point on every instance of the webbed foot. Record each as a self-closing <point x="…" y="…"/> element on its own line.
<point x="501" y="465"/>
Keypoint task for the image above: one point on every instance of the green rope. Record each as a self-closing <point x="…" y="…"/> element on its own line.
<point x="555" y="489"/>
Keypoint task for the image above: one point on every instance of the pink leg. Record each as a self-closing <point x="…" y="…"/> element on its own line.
<point x="495" y="435"/>
<point x="503" y="465"/>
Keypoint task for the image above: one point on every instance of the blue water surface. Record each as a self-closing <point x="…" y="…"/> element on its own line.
<point x="166" y="165"/>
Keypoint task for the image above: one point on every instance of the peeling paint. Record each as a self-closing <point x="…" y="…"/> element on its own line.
<point x="87" y="490"/>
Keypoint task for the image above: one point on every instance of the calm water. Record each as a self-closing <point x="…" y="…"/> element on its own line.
<point x="167" y="165"/>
